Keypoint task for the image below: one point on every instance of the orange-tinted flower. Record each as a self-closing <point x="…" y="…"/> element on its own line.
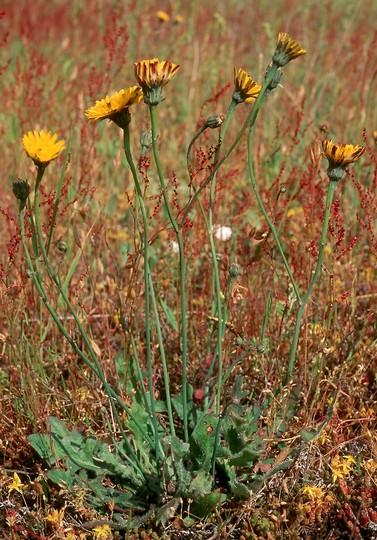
<point x="339" y="156"/>
<point x="245" y="88"/>
<point x="152" y="75"/>
<point x="287" y="49"/>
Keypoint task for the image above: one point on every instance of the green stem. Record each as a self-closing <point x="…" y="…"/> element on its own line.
<point x="220" y="323"/>
<point x="258" y="104"/>
<point x="182" y="268"/>
<point x="163" y="361"/>
<point x="57" y="196"/>
<point x="300" y="313"/>
<point x="128" y="154"/>
<point x="39" y="286"/>
<point x="98" y="371"/>
<point x="249" y="120"/>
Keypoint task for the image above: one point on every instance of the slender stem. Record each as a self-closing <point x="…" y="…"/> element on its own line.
<point x="215" y="265"/>
<point x="128" y="154"/>
<point x="57" y="197"/>
<point x="195" y="137"/>
<point x="38" y="283"/>
<point x="182" y="268"/>
<point x="163" y="360"/>
<point x="329" y="198"/>
<point x="98" y="371"/>
<point x="249" y="121"/>
<point x="257" y="106"/>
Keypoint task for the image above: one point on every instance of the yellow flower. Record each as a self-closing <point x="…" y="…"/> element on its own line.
<point x="341" y="466"/>
<point x="178" y="19"/>
<point x="16" y="485"/>
<point x="245" y="88"/>
<point x="72" y="536"/>
<point x="374" y="135"/>
<point x="339" y="156"/>
<point x="287" y="49"/>
<point x="152" y="75"/>
<point x="56" y="516"/>
<point x="314" y="493"/>
<point x="163" y="16"/>
<point x="42" y="147"/>
<point x="115" y="107"/>
<point x="102" y="533"/>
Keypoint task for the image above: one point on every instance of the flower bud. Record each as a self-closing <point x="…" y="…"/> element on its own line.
<point x="214" y="121"/>
<point x="21" y="190"/>
<point x="235" y="270"/>
<point x="62" y="246"/>
<point x="146" y="140"/>
<point x="275" y="80"/>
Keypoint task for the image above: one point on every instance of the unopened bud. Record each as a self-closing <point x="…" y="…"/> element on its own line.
<point x="235" y="270"/>
<point x="62" y="246"/>
<point x="21" y="191"/>
<point x="275" y="80"/>
<point x="124" y="322"/>
<point x="146" y="140"/>
<point x="215" y="121"/>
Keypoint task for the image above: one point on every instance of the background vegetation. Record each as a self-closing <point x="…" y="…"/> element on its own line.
<point x="57" y="58"/>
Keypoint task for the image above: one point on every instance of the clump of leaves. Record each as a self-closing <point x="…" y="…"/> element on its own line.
<point x="217" y="463"/>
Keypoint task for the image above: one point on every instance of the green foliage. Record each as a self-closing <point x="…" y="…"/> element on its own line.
<point x="216" y="463"/>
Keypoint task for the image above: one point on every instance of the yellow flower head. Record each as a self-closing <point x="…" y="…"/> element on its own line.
<point x="152" y="75"/>
<point x="178" y="19"/>
<point x="314" y="493"/>
<point x="339" y="156"/>
<point x="102" y="532"/>
<point x="374" y="135"/>
<point x="115" y="107"/>
<point x="341" y="466"/>
<point x="16" y="485"/>
<point x="56" y="516"/>
<point x="287" y="49"/>
<point x="163" y="16"/>
<point x="42" y="147"/>
<point x="245" y="88"/>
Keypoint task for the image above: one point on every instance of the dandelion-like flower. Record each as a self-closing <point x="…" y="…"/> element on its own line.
<point x="115" y="107"/>
<point x="339" y="156"/>
<point x="152" y="75"/>
<point x="245" y="88"/>
<point x="287" y="49"/>
<point x="42" y="147"/>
